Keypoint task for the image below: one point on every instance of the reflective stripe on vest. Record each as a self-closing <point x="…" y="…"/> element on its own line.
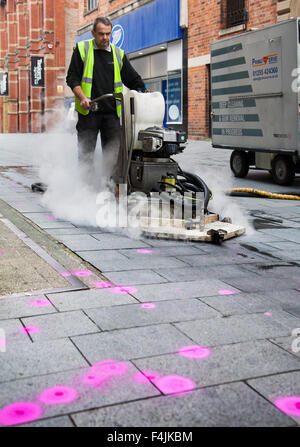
<point x="86" y="50"/>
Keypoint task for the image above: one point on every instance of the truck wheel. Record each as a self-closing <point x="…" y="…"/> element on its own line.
<point x="283" y="170"/>
<point x="239" y="163"/>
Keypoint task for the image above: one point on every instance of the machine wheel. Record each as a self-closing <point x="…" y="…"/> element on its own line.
<point x="239" y="163"/>
<point x="283" y="170"/>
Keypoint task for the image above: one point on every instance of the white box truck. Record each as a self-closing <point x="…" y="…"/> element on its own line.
<point x="255" y="83"/>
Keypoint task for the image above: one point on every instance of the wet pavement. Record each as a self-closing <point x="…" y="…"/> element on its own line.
<point x="103" y="328"/>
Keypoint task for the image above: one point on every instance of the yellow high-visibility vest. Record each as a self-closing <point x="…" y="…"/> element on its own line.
<point x="86" y="50"/>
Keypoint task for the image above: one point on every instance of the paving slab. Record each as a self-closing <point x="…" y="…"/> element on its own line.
<point x="227" y="363"/>
<point x="24" y="306"/>
<point x="233" y="329"/>
<point x="161" y="251"/>
<point x="80" y="242"/>
<point x="241" y="303"/>
<point x="289" y="234"/>
<point x="133" y="264"/>
<point x="284" y="245"/>
<point x="110" y="391"/>
<point x="154" y="242"/>
<point x="103" y="256"/>
<point x="287" y="298"/>
<point x="290" y="343"/>
<point x="44" y="222"/>
<point x="233" y="405"/>
<point x="12" y="336"/>
<point x="134" y="277"/>
<point x="114" y="241"/>
<point x="60" y="325"/>
<point x="257" y="283"/>
<point x="88" y="299"/>
<point x="126" y="344"/>
<point x="181" y="290"/>
<point x="135" y="315"/>
<point x="60" y="421"/>
<point x="196" y="273"/>
<point x="279" y="386"/>
<point x="27" y="206"/>
<point x="39" y="358"/>
<point x="56" y="232"/>
<point x="241" y="257"/>
<point x="271" y="269"/>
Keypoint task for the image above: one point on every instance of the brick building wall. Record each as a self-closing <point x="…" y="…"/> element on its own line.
<point x="34" y="28"/>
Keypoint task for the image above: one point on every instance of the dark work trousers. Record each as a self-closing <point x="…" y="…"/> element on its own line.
<point x="88" y="127"/>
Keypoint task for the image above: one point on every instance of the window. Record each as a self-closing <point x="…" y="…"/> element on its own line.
<point x="235" y="13"/>
<point x="92" y="4"/>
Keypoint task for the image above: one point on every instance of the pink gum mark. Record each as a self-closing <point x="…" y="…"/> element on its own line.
<point x="174" y="384"/>
<point x="94" y="380"/>
<point x="289" y="405"/>
<point x="1" y="252"/>
<point x="109" y="368"/>
<point x="194" y="351"/>
<point x="58" y="395"/>
<point x="146" y="376"/>
<point x="102" y="284"/>
<point x="20" y="413"/>
<point x="40" y="303"/>
<point x="268" y="313"/>
<point x="81" y="272"/>
<point x="226" y="292"/>
<point x="142" y="250"/>
<point x="148" y="305"/>
<point x="50" y="217"/>
<point x="122" y="289"/>
<point x="2" y="343"/>
<point x="29" y="330"/>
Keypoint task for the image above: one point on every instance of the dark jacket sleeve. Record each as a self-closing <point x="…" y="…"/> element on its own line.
<point x="75" y="70"/>
<point x="130" y="77"/>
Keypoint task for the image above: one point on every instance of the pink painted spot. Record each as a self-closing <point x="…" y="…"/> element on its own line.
<point x="50" y="217"/>
<point x="146" y="376"/>
<point x="40" y="303"/>
<point x="122" y="289"/>
<point x="268" y="313"/>
<point x="29" y="330"/>
<point x="94" y="379"/>
<point x="289" y="405"/>
<point x="1" y="252"/>
<point x="109" y="368"/>
<point x="65" y="274"/>
<point x="174" y="384"/>
<point x="148" y="305"/>
<point x="102" y="284"/>
<point x="194" y="351"/>
<point x="81" y="272"/>
<point x="226" y="292"/>
<point x="143" y="250"/>
<point x="2" y="343"/>
<point x="20" y="413"/>
<point x="58" y="395"/>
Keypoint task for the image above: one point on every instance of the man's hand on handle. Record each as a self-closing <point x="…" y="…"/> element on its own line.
<point x="85" y="103"/>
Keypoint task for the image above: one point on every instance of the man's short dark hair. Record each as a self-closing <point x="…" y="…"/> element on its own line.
<point x="104" y="20"/>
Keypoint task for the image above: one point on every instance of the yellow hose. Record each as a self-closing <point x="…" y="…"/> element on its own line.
<point x="266" y="194"/>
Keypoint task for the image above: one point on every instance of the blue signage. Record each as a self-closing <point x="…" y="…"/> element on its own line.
<point x="155" y="23"/>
